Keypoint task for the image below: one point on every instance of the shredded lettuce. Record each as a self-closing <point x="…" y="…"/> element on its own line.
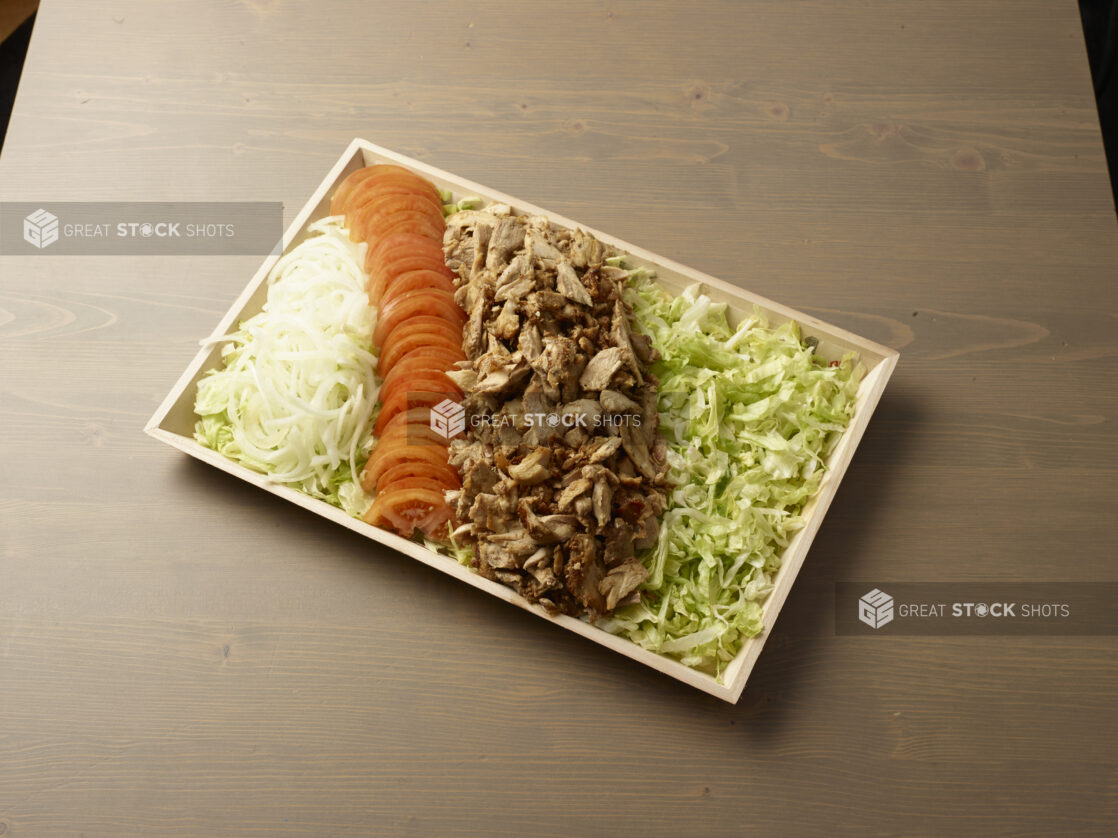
<point x="462" y="553"/>
<point x="749" y="414"/>
<point x="450" y="206"/>
<point x="296" y="392"/>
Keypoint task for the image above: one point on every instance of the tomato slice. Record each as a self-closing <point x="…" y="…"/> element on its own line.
<point x="418" y="363"/>
<point x="425" y="302"/>
<point x="422" y="391"/>
<point x="385" y="177"/>
<point x="414" y="416"/>
<point x="441" y="331"/>
<point x="404" y="344"/>
<point x="381" y="276"/>
<point x="346" y="187"/>
<point x="414" y="426"/>
<point x="447" y="357"/>
<point x="404" y="240"/>
<point x="444" y="474"/>
<point x="411" y="483"/>
<point x="374" y="187"/>
<point x="412" y="433"/>
<point x="372" y="192"/>
<point x="390" y="173"/>
<point x="393" y="249"/>
<point x="385" y="208"/>
<point x="384" y="457"/>
<point x="455" y="352"/>
<point x="371" y="227"/>
<point x="436" y="324"/>
<point x="392" y="168"/>
<point x="389" y="209"/>
<point x="413" y="281"/>
<point x="426" y="392"/>
<point x="408" y="509"/>
<point x="417" y="384"/>
<point x="397" y="244"/>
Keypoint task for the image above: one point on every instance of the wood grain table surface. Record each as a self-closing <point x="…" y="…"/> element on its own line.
<point x="183" y="655"/>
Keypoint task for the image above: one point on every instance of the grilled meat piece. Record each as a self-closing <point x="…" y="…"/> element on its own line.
<point x="532" y="469"/>
<point x="601" y="368"/>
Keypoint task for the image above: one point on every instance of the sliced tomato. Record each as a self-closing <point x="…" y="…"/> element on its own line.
<point x="346" y="187"/>
<point x="380" y="197"/>
<point x="447" y="356"/>
<point x="406" y="510"/>
<point x="405" y="241"/>
<point x="387" y="210"/>
<point x="373" y="188"/>
<point x="426" y="392"/>
<point x="380" y="276"/>
<point x="410" y="342"/>
<point x="438" y="330"/>
<point x="385" y="168"/>
<point x="425" y="302"/>
<point x="385" y="174"/>
<point x="384" y="457"/>
<point x="403" y="247"/>
<point x="413" y="281"/>
<point x="417" y="384"/>
<point x="436" y="324"/>
<point x="445" y="474"/>
<point x="418" y="363"/>
<point x="414" y="416"/>
<point x="386" y="207"/>
<point x="371" y="226"/>
<point x="398" y="244"/>
<point x="411" y="483"/>
<point x="413" y="433"/>
<point x="412" y="427"/>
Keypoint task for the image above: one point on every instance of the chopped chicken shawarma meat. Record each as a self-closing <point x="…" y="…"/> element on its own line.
<point x="563" y="479"/>
<point x="615" y="402"/>
<point x="506" y="238"/>
<point x="532" y="469"/>
<point x="622" y="581"/>
<point x="601" y="368"/>
<point x="584" y="573"/>
<point x="569" y="285"/>
<point x="507" y="323"/>
<point x="550" y="529"/>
